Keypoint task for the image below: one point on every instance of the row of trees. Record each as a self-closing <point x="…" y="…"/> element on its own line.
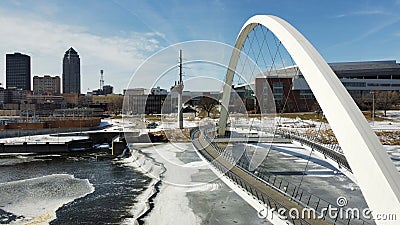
<point x="205" y="105"/>
<point x="380" y="100"/>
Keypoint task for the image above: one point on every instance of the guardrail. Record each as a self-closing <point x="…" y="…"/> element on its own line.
<point x="292" y="191"/>
<point x="260" y="196"/>
<point x="336" y="156"/>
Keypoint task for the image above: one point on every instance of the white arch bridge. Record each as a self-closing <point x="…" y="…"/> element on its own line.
<point x="375" y="173"/>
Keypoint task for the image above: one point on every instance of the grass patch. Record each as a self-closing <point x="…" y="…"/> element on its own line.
<point x="368" y="116"/>
<point x="153" y="118"/>
<point x="305" y="116"/>
<point x="318" y="117"/>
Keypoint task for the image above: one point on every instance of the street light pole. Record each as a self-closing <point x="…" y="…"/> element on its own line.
<point x="373" y="108"/>
<point x="179" y="89"/>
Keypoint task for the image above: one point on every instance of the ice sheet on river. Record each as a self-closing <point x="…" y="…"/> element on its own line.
<point x="37" y="199"/>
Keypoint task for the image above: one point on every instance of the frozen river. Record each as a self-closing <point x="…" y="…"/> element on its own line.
<point x="62" y="189"/>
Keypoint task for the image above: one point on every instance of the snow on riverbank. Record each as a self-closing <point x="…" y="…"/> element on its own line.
<point x="42" y="139"/>
<point x="149" y="167"/>
<point x="172" y="199"/>
<point x="162" y="162"/>
<point x="38" y="199"/>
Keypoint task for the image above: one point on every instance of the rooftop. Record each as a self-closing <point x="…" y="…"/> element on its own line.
<point x="388" y="66"/>
<point x="71" y="51"/>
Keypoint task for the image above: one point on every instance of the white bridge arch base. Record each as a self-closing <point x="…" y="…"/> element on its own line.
<point x="376" y="175"/>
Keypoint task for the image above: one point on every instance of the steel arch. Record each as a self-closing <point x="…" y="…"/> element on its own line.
<point x="375" y="173"/>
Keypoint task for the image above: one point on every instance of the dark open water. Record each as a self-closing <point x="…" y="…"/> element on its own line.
<point x="116" y="187"/>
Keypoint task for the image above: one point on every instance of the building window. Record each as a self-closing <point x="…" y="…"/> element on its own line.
<point x="306" y="94"/>
<point x="354" y="84"/>
<point x="277" y="90"/>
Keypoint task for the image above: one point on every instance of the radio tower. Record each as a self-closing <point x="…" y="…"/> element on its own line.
<point x="101" y="80"/>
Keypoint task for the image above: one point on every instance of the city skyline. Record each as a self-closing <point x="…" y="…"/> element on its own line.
<point x="118" y="36"/>
<point x="71" y="75"/>
<point x="303" y="116"/>
<point x="18" y="71"/>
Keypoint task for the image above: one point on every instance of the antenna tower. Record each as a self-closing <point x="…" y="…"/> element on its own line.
<point x="101" y="79"/>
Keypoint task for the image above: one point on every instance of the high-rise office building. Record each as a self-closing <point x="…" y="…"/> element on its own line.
<point x="18" y="71"/>
<point x="71" y="76"/>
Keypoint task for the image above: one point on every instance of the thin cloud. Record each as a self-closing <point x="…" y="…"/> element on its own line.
<point x="373" y="30"/>
<point x="145" y="12"/>
<point x="378" y="28"/>
<point x="363" y="13"/>
<point x="47" y="41"/>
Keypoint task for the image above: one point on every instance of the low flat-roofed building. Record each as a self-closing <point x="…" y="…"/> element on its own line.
<point x="134" y="91"/>
<point x="39" y="99"/>
<point x="292" y="93"/>
<point x="78" y="112"/>
<point x="109" y="98"/>
<point x="12" y="95"/>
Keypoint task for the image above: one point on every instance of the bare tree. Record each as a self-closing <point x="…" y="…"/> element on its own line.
<point x="115" y="106"/>
<point x="207" y="104"/>
<point x="364" y="102"/>
<point x="386" y="100"/>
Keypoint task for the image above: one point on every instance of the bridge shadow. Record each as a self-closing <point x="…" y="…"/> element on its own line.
<point x="282" y="149"/>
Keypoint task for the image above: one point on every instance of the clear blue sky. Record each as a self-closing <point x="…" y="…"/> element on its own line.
<point x="118" y="35"/>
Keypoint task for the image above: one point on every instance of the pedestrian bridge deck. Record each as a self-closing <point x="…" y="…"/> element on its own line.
<point x="253" y="140"/>
<point x="267" y="194"/>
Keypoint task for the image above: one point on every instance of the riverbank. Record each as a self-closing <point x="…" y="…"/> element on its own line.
<point x="189" y="192"/>
<point x="146" y="165"/>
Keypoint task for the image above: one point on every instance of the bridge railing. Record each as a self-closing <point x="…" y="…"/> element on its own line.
<point x="294" y="192"/>
<point x="289" y="189"/>
<point x="332" y="153"/>
<point x="263" y="198"/>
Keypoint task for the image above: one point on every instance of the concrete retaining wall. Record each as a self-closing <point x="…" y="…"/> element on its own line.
<point x="20" y="132"/>
<point x="33" y="148"/>
<point x="47" y="147"/>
